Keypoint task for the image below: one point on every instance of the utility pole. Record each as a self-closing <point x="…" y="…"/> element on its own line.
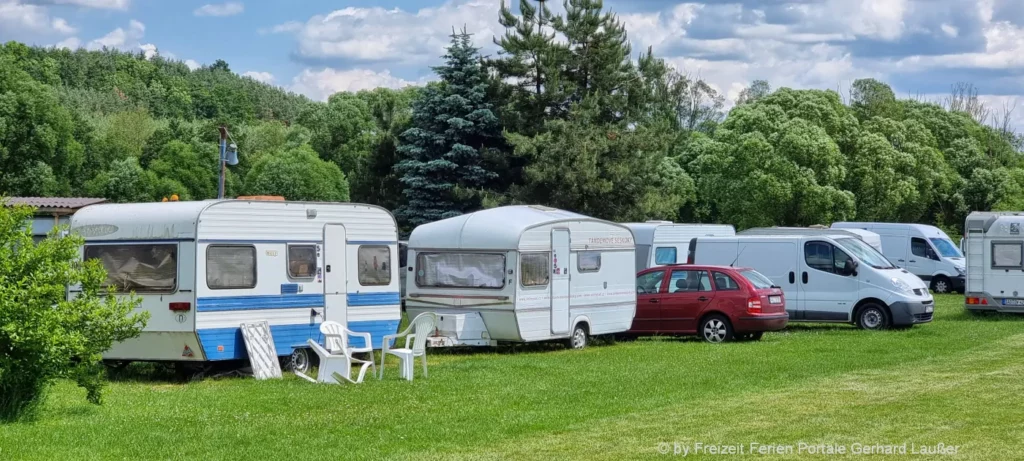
<point x="223" y="160"/>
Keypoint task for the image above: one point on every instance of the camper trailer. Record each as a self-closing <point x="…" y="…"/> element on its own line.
<point x="924" y="250"/>
<point x="520" y="274"/>
<point x="201" y="269"/>
<point x="868" y="237"/>
<point x="827" y="278"/>
<point x="660" y="243"/>
<point x="995" y="262"/>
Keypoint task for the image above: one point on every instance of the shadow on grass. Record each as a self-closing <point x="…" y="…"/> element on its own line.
<point x="173" y="373"/>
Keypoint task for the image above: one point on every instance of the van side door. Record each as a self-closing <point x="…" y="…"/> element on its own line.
<point x="922" y="258"/>
<point x="828" y="292"/>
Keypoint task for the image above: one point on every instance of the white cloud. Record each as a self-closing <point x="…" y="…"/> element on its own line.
<point x="26" y="22"/>
<point x="148" y="50"/>
<point x="950" y="30"/>
<point x="319" y="85"/>
<point x="396" y="35"/>
<point x="265" y="77"/>
<point x="192" y="64"/>
<point x="71" y="43"/>
<point x="120" y="38"/>
<point x="220" y="9"/>
<point x="98" y="4"/>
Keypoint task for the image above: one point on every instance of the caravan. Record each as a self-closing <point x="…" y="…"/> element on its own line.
<point x="203" y="268"/>
<point x="522" y="273"/>
<point x="660" y="243"/>
<point x="995" y="262"/>
<point x="924" y="250"/>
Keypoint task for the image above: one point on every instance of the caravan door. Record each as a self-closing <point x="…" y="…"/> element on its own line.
<point x="560" y="281"/>
<point x="335" y="274"/>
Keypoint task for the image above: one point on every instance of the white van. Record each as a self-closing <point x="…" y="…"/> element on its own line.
<point x="868" y="237"/>
<point x="827" y="278"/>
<point x="924" y="250"/>
<point x="660" y="243"/>
<point x="995" y="262"/>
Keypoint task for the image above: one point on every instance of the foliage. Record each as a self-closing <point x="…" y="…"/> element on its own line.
<point x="43" y="335"/>
<point x="298" y="174"/>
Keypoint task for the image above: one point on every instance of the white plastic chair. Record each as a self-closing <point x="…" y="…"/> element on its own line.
<point x="335" y="367"/>
<point x="336" y="338"/>
<point x="417" y="333"/>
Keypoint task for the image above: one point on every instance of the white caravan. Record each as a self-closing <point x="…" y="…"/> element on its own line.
<point x="995" y="262"/>
<point x="827" y="278"/>
<point x="868" y="237"/>
<point x="522" y="273"/>
<point x="203" y="268"/>
<point x="660" y="243"/>
<point x="924" y="250"/>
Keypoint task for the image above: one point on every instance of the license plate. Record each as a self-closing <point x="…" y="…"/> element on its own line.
<point x="775" y="299"/>
<point x="1013" y="302"/>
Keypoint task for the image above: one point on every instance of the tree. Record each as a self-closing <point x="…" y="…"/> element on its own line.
<point x="452" y="123"/>
<point x="757" y="90"/>
<point x="43" y="335"/>
<point x="178" y="162"/>
<point x="376" y="181"/>
<point x="871" y="98"/>
<point x="343" y="131"/>
<point x="298" y="174"/>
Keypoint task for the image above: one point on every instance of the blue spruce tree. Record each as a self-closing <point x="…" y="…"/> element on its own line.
<point x="452" y="124"/>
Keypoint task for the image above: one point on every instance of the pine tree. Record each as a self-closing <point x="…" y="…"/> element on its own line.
<point x="452" y="123"/>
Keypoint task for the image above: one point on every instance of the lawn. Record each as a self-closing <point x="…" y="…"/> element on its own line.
<point x="956" y="381"/>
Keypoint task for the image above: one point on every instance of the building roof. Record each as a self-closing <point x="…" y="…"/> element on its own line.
<point x="491" y="229"/>
<point x="54" y="204"/>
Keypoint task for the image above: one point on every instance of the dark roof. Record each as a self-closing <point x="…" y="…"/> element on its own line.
<point x="54" y="203"/>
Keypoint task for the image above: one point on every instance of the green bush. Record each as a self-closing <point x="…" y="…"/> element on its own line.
<point x="43" y="335"/>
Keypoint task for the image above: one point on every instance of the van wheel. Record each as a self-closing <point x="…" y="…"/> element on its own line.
<point x="716" y="329"/>
<point x="941" y="285"/>
<point x="873" y="317"/>
<point x="578" y="339"/>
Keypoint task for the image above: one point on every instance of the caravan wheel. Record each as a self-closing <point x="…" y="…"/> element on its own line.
<point x="578" y="339"/>
<point x="301" y="360"/>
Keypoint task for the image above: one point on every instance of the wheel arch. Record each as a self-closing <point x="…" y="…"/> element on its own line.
<point x="860" y="305"/>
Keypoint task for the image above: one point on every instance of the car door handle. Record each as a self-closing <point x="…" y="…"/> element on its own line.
<point x="804" y="277"/>
<point x="702" y="299"/>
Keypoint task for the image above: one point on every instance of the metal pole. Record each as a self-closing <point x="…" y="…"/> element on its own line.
<point x="223" y="154"/>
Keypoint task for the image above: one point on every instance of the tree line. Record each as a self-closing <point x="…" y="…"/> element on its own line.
<point x="565" y="114"/>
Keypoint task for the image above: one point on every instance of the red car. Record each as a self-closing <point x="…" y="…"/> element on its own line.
<point x="718" y="303"/>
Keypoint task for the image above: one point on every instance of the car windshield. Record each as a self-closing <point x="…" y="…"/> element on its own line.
<point x="946" y="248"/>
<point x="865" y="253"/>
<point x="759" y="280"/>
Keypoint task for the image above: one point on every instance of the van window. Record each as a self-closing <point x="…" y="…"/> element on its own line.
<point x="588" y="261"/>
<point x="665" y="255"/>
<point x="724" y="282"/>
<point x="919" y="247"/>
<point x="301" y="261"/>
<point x="142" y="268"/>
<point x="946" y="248"/>
<point x="689" y="281"/>
<point x="230" y="266"/>
<point x="460" y="270"/>
<point x="374" y="265"/>
<point x="534" y="270"/>
<point x="1007" y="255"/>
<point x="825" y="257"/>
<point x="650" y="283"/>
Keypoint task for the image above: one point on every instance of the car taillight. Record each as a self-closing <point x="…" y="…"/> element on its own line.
<point x="982" y="301"/>
<point x="754" y="306"/>
<point x="178" y="307"/>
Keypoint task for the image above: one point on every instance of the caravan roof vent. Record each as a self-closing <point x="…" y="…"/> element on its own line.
<point x="655" y="221"/>
<point x="542" y="208"/>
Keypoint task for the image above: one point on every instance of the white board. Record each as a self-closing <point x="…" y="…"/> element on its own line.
<point x="262" y="353"/>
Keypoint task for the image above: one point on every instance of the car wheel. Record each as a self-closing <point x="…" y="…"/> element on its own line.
<point x="873" y="317"/>
<point x="716" y="329"/>
<point x="941" y="285"/>
<point x="578" y="339"/>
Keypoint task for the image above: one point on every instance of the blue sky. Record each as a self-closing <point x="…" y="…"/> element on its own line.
<point x="317" y="47"/>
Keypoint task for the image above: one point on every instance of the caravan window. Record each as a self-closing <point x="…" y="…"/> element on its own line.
<point x="374" y="265"/>
<point x="533" y="269"/>
<point x="665" y="255"/>
<point x="230" y="267"/>
<point x="1007" y="255"/>
<point x="460" y="270"/>
<point x="301" y="261"/>
<point x="588" y="261"/>
<point x="143" y="268"/>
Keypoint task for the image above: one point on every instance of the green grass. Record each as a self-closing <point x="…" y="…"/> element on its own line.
<point x="957" y="381"/>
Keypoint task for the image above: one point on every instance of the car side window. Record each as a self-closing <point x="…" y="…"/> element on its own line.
<point x="723" y="282"/>
<point x="684" y="281"/>
<point x="818" y="255"/>
<point x="650" y="283"/>
<point x="919" y="247"/>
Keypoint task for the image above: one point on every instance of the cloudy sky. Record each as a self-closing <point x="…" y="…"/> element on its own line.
<point x="317" y="47"/>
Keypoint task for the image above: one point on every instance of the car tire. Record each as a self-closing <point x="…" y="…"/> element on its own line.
<point x="871" y="316"/>
<point x="715" y="329"/>
<point x="941" y="285"/>
<point x="579" y="338"/>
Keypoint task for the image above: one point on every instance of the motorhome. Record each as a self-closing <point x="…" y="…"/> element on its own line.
<point x="203" y="268"/>
<point x="868" y="237"/>
<point x="827" y="278"/>
<point x="924" y="250"/>
<point x="520" y="274"/>
<point x="995" y="262"/>
<point x="660" y="243"/>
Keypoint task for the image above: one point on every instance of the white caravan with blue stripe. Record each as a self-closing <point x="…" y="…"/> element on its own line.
<point x="201" y="269"/>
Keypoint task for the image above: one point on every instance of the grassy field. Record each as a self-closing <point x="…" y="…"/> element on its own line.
<point x="957" y="381"/>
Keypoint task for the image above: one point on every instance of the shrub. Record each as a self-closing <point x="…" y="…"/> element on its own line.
<point x="43" y="335"/>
